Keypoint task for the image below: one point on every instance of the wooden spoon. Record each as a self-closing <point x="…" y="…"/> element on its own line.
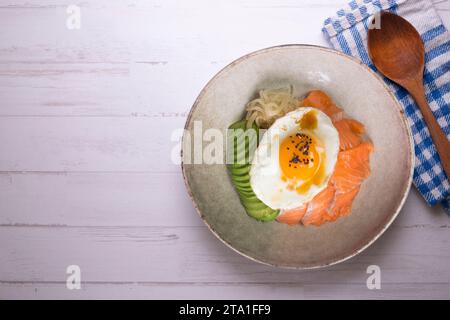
<point x="398" y="52"/>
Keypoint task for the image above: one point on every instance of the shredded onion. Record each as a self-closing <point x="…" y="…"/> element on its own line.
<point x="271" y="105"/>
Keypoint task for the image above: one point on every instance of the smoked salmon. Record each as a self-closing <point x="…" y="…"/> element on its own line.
<point x="342" y="204"/>
<point x="292" y="216"/>
<point x="350" y="133"/>
<point x="320" y="100"/>
<point x="317" y="212"/>
<point x="351" y="169"/>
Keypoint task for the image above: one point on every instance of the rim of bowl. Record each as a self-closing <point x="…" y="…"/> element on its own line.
<point x="405" y="192"/>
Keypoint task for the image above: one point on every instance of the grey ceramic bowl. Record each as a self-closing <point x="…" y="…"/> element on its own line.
<point x="363" y="96"/>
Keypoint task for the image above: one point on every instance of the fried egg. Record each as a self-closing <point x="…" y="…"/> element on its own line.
<point x="295" y="159"/>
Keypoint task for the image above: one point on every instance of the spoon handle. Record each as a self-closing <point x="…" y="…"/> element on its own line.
<point x="439" y="138"/>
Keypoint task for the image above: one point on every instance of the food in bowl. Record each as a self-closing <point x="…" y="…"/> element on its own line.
<point x="307" y="167"/>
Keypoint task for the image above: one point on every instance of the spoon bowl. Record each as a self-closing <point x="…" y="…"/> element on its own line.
<point x="396" y="48"/>
<point x="398" y="52"/>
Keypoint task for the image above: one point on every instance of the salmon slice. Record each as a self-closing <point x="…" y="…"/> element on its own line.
<point x="350" y="133"/>
<point x="320" y="100"/>
<point x="352" y="167"/>
<point x="292" y="216"/>
<point x="343" y="204"/>
<point x="317" y="212"/>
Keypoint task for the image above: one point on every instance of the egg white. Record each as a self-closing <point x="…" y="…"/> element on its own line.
<point x="265" y="173"/>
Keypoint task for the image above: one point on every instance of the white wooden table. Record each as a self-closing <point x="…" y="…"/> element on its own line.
<point x="86" y="176"/>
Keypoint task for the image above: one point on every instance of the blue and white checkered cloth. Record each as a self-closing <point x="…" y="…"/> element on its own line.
<point x="347" y="32"/>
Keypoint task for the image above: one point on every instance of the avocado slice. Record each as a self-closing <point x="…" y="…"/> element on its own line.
<point x="240" y="171"/>
<point x="240" y="174"/>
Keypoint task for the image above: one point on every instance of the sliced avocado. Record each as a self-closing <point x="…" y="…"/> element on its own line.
<point x="262" y="214"/>
<point x="239" y="171"/>
<point x="240" y="143"/>
<point x="253" y="205"/>
<point x="246" y="191"/>
<point x="251" y="199"/>
<point x="240" y="174"/>
<point x="243" y="183"/>
<point x="241" y="179"/>
<point x="237" y="166"/>
<point x="270" y="215"/>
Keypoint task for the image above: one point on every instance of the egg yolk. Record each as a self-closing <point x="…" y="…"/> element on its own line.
<point x="302" y="161"/>
<point x="299" y="157"/>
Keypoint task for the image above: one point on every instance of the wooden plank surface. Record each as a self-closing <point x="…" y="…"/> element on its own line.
<point x="86" y="176"/>
<point x="88" y="144"/>
<point x="128" y="199"/>
<point x="192" y="254"/>
<point x="227" y="291"/>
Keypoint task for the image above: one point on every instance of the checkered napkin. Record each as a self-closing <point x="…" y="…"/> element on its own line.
<point x="347" y="32"/>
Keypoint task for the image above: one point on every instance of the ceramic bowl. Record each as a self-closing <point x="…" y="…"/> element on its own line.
<point x="363" y="95"/>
